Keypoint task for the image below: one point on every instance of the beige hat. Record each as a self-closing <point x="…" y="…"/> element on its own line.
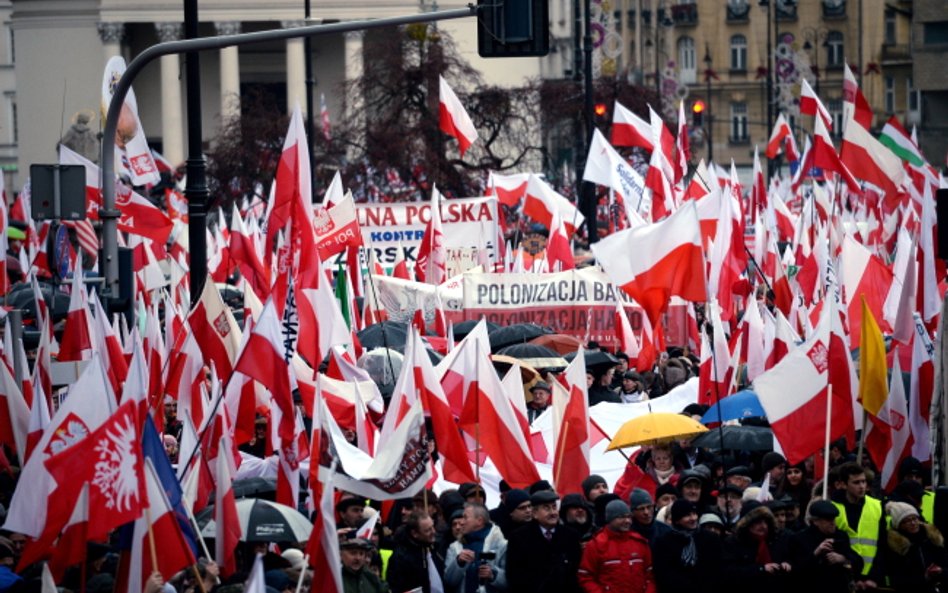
<point x="900" y="511"/>
<point x="294" y="557"/>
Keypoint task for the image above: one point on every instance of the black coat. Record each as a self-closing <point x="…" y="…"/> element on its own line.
<point x="408" y="565"/>
<point x="812" y="573"/>
<point x="908" y="558"/>
<point x="671" y="574"/>
<point x="537" y="565"/>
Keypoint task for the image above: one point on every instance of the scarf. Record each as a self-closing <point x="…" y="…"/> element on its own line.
<point x="474" y="541"/>
<point x="763" y="552"/>
<point x="662" y="477"/>
<point x="689" y="554"/>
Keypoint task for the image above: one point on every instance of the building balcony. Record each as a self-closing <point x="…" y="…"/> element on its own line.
<point x="685" y="14"/>
<point x="738" y="11"/>
<point x="834" y="9"/>
<point x="896" y="53"/>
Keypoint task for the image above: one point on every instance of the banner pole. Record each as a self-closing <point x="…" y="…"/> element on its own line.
<point x="826" y="450"/>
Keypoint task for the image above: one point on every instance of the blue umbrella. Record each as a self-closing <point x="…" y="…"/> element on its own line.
<point x="743" y="404"/>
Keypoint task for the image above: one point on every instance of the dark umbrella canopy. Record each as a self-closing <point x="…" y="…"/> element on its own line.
<point x="516" y="334"/>
<point x="737" y="438"/>
<point x="595" y="358"/>
<point x="539" y="357"/>
<point x="21" y="297"/>
<point x="255" y="488"/>
<point x="389" y="334"/>
<point x="262" y="521"/>
<point x="465" y="327"/>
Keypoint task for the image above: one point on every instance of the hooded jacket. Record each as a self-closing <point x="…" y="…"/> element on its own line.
<point x="617" y="561"/>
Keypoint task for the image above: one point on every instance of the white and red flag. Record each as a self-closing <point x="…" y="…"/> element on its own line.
<point x="571" y="433"/>
<point x="869" y="159"/>
<point x="227" y="525"/>
<point x="794" y="394"/>
<point x="508" y="188"/>
<point x="542" y="201"/>
<point x="430" y="265"/>
<point x="782" y="135"/>
<point x="76" y="342"/>
<point x="215" y="329"/>
<point x="453" y="118"/>
<point x="131" y="146"/>
<point x="855" y="106"/>
<point x="337" y="228"/>
<point x="667" y="261"/>
<point x="810" y="104"/>
<point x="825" y="157"/>
<point x="323" y="545"/>
<point x="242" y="249"/>
<point x="628" y="129"/>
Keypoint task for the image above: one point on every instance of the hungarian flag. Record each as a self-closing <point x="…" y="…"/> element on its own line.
<point x="898" y="140"/>
<point x="655" y="262"/>
<point x="453" y="118"/>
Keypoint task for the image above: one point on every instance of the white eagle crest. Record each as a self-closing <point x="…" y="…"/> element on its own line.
<point x="116" y="474"/>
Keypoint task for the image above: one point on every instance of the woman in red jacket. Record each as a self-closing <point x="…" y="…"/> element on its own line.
<point x="617" y="559"/>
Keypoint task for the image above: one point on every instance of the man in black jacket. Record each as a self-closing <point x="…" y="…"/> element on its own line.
<point x="543" y="556"/>
<point x="822" y="559"/>
<point x="415" y="561"/>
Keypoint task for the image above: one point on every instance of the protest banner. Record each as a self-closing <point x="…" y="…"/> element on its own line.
<point x="470" y="226"/>
<point x="580" y="303"/>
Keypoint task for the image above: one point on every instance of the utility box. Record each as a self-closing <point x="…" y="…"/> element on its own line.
<point x="513" y="28"/>
<point x="58" y="192"/>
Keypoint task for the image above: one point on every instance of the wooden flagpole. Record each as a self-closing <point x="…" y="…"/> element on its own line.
<point x="826" y="453"/>
<point x="299" y="581"/>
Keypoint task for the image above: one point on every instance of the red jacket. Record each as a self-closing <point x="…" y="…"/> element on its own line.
<point x="617" y="562"/>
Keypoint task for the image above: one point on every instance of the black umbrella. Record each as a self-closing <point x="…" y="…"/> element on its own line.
<point x="21" y="297"/>
<point x="516" y="334"/>
<point x="737" y="438"/>
<point x="465" y="327"/>
<point x="262" y="521"/>
<point x="539" y="357"/>
<point x="255" y="488"/>
<point x="595" y="358"/>
<point x="387" y="334"/>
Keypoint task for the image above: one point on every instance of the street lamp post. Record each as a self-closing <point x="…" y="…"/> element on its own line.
<point x="814" y="40"/>
<point x="710" y="115"/>
<point x="770" y="77"/>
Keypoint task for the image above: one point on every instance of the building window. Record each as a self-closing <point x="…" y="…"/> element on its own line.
<point x="890" y="26"/>
<point x="739" y="122"/>
<point x="835" y="107"/>
<point x="889" y="95"/>
<point x="738" y="53"/>
<point x="12" y="134"/>
<point x="936" y="33"/>
<point x="834" y="50"/>
<point x="912" y="95"/>
<point x="687" y="69"/>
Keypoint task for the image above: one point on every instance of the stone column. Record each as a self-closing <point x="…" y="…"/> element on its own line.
<point x="111" y="35"/>
<point x="295" y="70"/>
<point x="230" y="73"/>
<point x="172" y="124"/>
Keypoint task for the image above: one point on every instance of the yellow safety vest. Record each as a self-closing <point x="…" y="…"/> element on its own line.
<point x="386" y="555"/>
<point x="865" y="540"/>
<point x="928" y="507"/>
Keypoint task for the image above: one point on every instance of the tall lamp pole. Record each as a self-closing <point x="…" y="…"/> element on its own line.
<point x="310" y="83"/>
<point x="196" y="187"/>
<point x="770" y="78"/>
<point x="710" y="114"/>
<point x="587" y="197"/>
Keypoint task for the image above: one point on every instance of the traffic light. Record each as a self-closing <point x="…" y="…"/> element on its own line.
<point x="600" y="110"/>
<point x="697" y="113"/>
<point x="513" y="28"/>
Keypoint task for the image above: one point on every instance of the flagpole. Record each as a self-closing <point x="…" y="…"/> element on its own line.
<point x="299" y="582"/>
<point x="862" y="437"/>
<point x="197" y="576"/>
<point x="826" y="451"/>
<point x="151" y="540"/>
<point x="561" y="445"/>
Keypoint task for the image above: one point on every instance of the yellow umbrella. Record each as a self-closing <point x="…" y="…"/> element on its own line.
<point x="655" y="428"/>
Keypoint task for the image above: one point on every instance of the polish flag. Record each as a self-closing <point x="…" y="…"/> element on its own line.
<point x="664" y="145"/>
<point x="921" y="390"/>
<point x="215" y="329"/>
<point x="794" y="394"/>
<point x="668" y="261"/>
<point x="571" y="429"/>
<point x="715" y="372"/>
<point x="487" y="411"/>
<point x="243" y="250"/>
<point x="825" y="156"/>
<point x="39" y="421"/>
<point x="890" y="443"/>
<point x="782" y="134"/>
<point x="542" y="201"/>
<point x="626" y="337"/>
<point x="558" y="249"/>
<point x="323" y="545"/>
<point x="158" y="527"/>
<point x="629" y="129"/>
<point x="90" y="404"/>
<point x="14" y="412"/>
<point x="337" y="228"/>
<point x="227" y="526"/>
<point x="864" y="276"/>
<point x="423" y="381"/>
<point x="107" y="342"/>
<point x="264" y="359"/>
<point x="508" y="188"/>
<point x="927" y="293"/>
<point x="810" y="104"/>
<point x="855" y="106"/>
<point x="291" y="195"/>
<point x="77" y="336"/>
<point x="140" y="216"/>
<point x="320" y="317"/>
<point x="682" y="147"/>
<point x="430" y="265"/>
<point x="753" y="343"/>
<point x="453" y="118"/>
<point x="785" y="340"/>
